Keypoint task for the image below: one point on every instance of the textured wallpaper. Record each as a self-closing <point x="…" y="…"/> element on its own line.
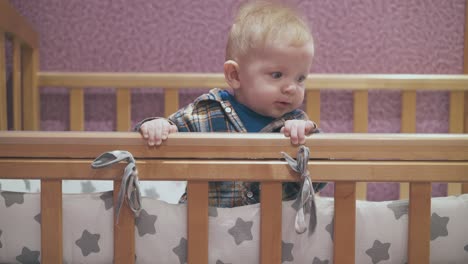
<point x="352" y="36"/>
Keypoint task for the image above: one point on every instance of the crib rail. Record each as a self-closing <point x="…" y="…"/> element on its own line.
<point x="361" y="84"/>
<point x="345" y="159"/>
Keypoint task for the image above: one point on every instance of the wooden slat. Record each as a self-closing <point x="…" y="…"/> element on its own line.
<point x="17" y="113"/>
<point x="465" y="71"/>
<point x="313" y="105"/>
<point x="51" y="221"/>
<point x="457" y="109"/>
<point x="197" y="222"/>
<point x="31" y="104"/>
<point x="419" y="225"/>
<point x="124" y="231"/>
<point x="171" y="101"/>
<point x="3" y="88"/>
<point x="447" y="82"/>
<point x="270" y="226"/>
<point x="408" y="125"/>
<point x="124" y="110"/>
<point x="236" y="145"/>
<point x="229" y="170"/>
<point x="361" y="112"/>
<point x="345" y="223"/>
<point x="77" y="109"/>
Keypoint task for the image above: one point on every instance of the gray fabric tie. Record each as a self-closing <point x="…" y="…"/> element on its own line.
<point x="306" y="198"/>
<point x="130" y="184"/>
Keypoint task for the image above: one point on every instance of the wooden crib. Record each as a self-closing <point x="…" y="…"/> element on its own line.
<point x="349" y="160"/>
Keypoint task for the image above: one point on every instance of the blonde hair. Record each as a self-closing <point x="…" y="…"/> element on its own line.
<point x="259" y="22"/>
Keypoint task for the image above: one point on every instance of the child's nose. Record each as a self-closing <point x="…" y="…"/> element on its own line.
<point x="289" y="88"/>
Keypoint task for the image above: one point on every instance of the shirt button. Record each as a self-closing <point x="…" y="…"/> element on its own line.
<point x="228" y="109"/>
<point x="250" y="194"/>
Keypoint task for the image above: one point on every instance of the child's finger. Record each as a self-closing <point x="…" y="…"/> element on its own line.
<point x="293" y="134"/>
<point x="144" y="131"/>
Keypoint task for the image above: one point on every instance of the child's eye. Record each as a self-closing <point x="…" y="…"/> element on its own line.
<point x="276" y="75"/>
<point x="301" y="78"/>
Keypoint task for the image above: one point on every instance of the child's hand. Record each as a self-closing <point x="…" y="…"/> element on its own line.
<point x="298" y="129"/>
<point x="156" y="130"/>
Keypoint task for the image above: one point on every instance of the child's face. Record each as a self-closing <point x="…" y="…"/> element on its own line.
<point x="272" y="78"/>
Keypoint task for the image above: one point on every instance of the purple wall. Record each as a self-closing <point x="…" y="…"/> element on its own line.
<point x="352" y="36"/>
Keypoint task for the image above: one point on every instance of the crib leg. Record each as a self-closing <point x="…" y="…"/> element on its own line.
<point x="51" y="221"/>
<point x="419" y="229"/>
<point x="345" y="223"/>
<point x="124" y="232"/>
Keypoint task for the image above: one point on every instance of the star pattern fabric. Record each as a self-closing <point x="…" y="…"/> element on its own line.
<point x="87" y="187"/>
<point x="181" y="251"/>
<point x="329" y="228"/>
<point x="27" y="184"/>
<point x="38" y="218"/>
<point x="12" y="198"/>
<point x="378" y="251"/>
<point x="145" y="223"/>
<point x="212" y="211"/>
<point x="399" y="208"/>
<point x="28" y="256"/>
<point x="241" y="231"/>
<point x="152" y="192"/>
<point x="439" y="226"/>
<point x="318" y="261"/>
<point x="88" y="243"/>
<point x="286" y="251"/>
<point x="108" y="199"/>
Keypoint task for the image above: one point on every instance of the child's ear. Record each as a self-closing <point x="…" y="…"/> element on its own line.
<point x="231" y="74"/>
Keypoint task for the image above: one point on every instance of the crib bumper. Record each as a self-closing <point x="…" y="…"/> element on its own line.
<point x="161" y="231"/>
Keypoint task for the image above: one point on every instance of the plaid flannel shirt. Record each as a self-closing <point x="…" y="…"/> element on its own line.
<point x="211" y="113"/>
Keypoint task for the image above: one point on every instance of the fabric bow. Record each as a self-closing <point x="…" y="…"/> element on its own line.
<point x="130" y="184"/>
<point x="306" y="198"/>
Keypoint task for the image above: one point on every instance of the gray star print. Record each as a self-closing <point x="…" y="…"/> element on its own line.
<point x="0" y="240"/>
<point x="379" y="251"/>
<point x="438" y="226"/>
<point x="27" y="184"/>
<point x="38" y="218"/>
<point x="181" y="251"/>
<point x="329" y="228"/>
<point x="108" y="199"/>
<point x="146" y="223"/>
<point x="286" y="251"/>
<point x="241" y="231"/>
<point x="318" y="261"/>
<point x="212" y="211"/>
<point x="87" y="187"/>
<point x="297" y="204"/>
<point x="12" y="198"/>
<point x="28" y="256"/>
<point x="399" y="208"/>
<point x="151" y="192"/>
<point x="88" y="243"/>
